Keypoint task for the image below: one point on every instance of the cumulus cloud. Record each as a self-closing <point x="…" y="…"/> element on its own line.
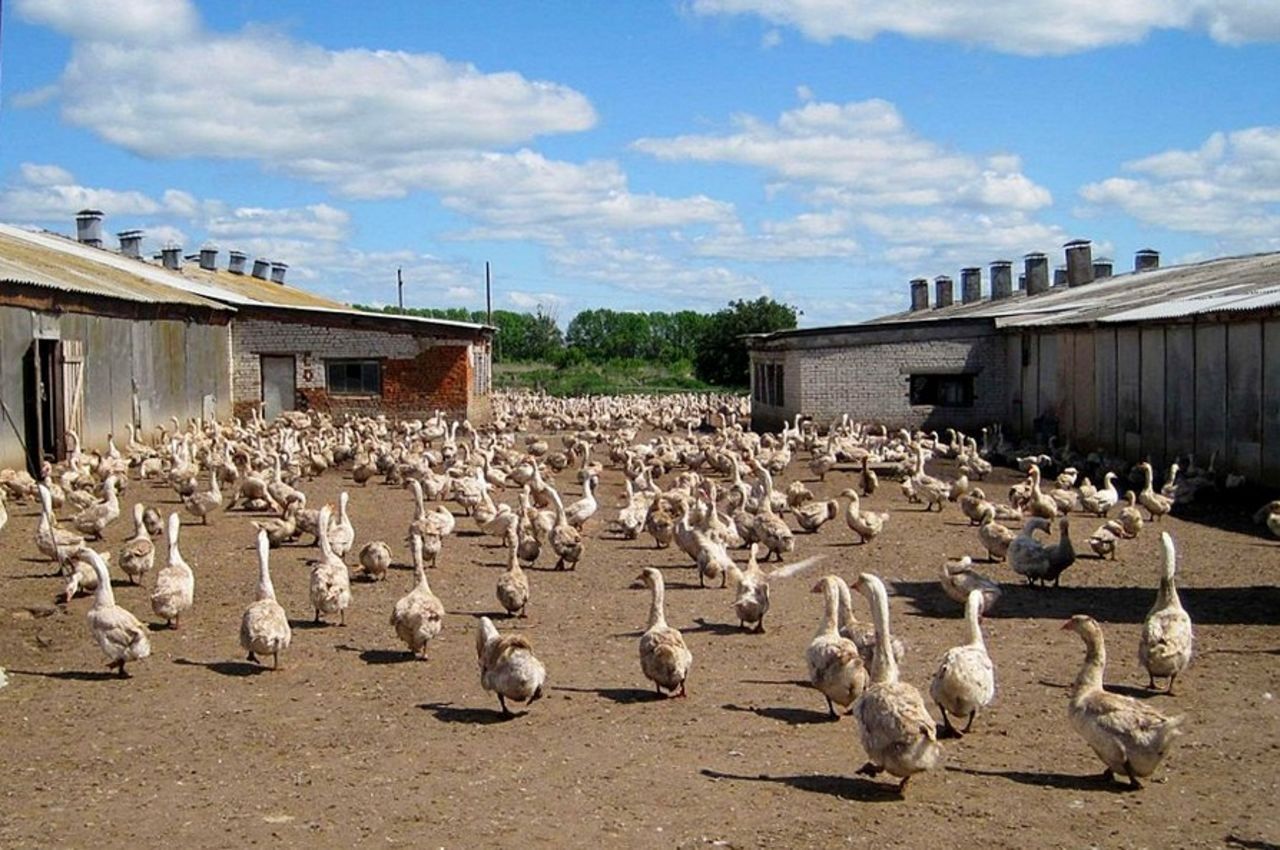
<point x="1227" y="189"/>
<point x="647" y="269"/>
<point x="1045" y="27"/>
<point x="135" y="22"/>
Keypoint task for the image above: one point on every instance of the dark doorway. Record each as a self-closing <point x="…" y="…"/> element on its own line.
<point x="42" y="393"/>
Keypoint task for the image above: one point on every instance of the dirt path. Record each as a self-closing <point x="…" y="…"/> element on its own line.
<point x="353" y="742"/>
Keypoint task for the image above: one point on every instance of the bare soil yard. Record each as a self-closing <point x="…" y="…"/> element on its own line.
<point x="355" y="742"/>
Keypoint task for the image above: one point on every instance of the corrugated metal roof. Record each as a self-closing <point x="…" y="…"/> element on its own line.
<point x="47" y="259"/>
<point x="38" y="259"/>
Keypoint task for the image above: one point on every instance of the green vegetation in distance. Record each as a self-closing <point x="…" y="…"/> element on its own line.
<point x="621" y="351"/>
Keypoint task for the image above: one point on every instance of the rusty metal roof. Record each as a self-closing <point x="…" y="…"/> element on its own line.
<point x="43" y="260"/>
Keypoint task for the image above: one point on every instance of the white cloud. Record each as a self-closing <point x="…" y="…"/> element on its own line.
<point x="35" y="174"/>
<point x="805" y="237"/>
<point x="317" y="221"/>
<point x="647" y="269"/>
<point x="1227" y="189"/>
<point x="1012" y="26"/>
<point x="860" y="154"/>
<point x="45" y="193"/>
<point x="134" y="22"/>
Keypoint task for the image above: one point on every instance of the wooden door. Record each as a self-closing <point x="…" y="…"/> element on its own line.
<point x="279" y="385"/>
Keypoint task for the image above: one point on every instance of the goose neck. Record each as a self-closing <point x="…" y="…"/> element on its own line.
<point x="657" y="615"/>
<point x="1095" y="660"/>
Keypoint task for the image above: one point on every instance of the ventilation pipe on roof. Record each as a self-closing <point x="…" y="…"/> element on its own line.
<point x="130" y="243"/>
<point x="970" y="285"/>
<point x="1079" y="262"/>
<point x="260" y="268"/>
<point x="1036" y="271"/>
<point x="89" y="227"/>
<point x="1059" y="276"/>
<point x="277" y="272"/>
<point x="1146" y="259"/>
<point x="943" y="290"/>
<point x="1001" y="279"/>
<point x="235" y="262"/>
<point x="209" y="258"/>
<point x="919" y="294"/>
<point x="171" y="257"/>
<point x="1101" y="268"/>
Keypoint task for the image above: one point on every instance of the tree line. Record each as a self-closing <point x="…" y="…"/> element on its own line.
<point x="711" y="343"/>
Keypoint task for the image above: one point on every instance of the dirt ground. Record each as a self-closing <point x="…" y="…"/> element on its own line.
<point x="354" y="742"/>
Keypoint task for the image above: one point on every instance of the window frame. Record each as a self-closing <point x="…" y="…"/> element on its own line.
<point x="363" y="391"/>
<point x="933" y="389"/>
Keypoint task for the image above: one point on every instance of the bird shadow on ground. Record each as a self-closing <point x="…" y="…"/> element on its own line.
<point x="844" y="787"/>
<point x="1251" y="606"/>
<point x="238" y="669"/>
<point x="378" y="656"/>
<point x="72" y="675"/>
<point x="447" y="712"/>
<point x="622" y="696"/>
<point x="310" y="624"/>
<point x="1250" y="843"/>
<point x="1135" y="691"/>
<point x="1089" y="782"/>
<point x="790" y="716"/>
<point x="715" y="628"/>
<point x="799" y="683"/>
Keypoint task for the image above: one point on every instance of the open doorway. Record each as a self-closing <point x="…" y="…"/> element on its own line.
<point x="279" y="384"/>
<point x="43" y="396"/>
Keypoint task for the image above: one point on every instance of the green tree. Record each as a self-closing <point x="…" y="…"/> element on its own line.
<point x="721" y="356"/>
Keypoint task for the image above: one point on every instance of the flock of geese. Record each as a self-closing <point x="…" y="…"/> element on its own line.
<point x="699" y="481"/>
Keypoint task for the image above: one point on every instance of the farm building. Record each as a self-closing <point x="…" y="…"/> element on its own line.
<point x="94" y="340"/>
<point x="1155" y="363"/>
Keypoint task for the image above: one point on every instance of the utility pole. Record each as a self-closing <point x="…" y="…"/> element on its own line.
<point x="488" y="296"/>
<point x="400" y="288"/>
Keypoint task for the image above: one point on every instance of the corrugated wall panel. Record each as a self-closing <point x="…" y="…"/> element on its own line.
<point x="1029" y="360"/>
<point x="94" y="332"/>
<point x="120" y="347"/>
<point x="169" y="348"/>
<point x="1047" y="387"/>
<point x="15" y="339"/>
<point x="1211" y="391"/>
<point x="1064" y="384"/>
<point x="1153" y="395"/>
<point x="1244" y="398"/>
<point x="144" y="379"/>
<point x="1084" y="397"/>
<point x="1180" y="390"/>
<point x="1013" y="368"/>
<point x="1106" y="374"/>
<point x="1271" y="401"/>
<point x="1129" y="393"/>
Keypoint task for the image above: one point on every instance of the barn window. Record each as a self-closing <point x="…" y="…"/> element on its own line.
<point x="942" y="390"/>
<point x="354" y="377"/>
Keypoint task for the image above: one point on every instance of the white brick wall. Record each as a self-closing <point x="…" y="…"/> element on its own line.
<point x="870" y="382"/>
<point x="251" y="338"/>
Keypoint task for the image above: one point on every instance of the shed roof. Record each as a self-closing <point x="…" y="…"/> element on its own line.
<point x="1224" y="285"/>
<point x="94" y="270"/>
<point x="37" y="259"/>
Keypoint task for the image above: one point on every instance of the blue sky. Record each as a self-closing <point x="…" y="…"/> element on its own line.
<point x="663" y="155"/>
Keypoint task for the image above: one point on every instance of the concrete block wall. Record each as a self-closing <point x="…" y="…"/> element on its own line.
<point x="420" y="374"/>
<point x="871" y="382"/>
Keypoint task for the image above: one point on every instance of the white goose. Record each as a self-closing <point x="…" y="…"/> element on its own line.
<point x="330" y="585"/>
<point x="897" y="731"/>
<point x="264" y="629"/>
<point x="835" y="667"/>
<point x="418" y="616"/>
<point x="664" y="658"/>
<point x="342" y="534"/>
<point x="965" y="680"/>
<point x="1167" y="637"/>
<point x="119" y="634"/>
<point x="138" y="554"/>
<point x="175" y="584"/>
<point x="508" y="666"/>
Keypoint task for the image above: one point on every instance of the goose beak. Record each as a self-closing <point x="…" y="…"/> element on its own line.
<point x="1067" y="625"/>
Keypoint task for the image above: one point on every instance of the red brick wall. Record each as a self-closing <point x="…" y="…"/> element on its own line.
<point x="437" y="379"/>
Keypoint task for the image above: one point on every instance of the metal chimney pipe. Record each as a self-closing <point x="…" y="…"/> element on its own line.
<point x="130" y="243"/>
<point x="919" y="294"/>
<point x="943" y="291"/>
<point x="1101" y="268"/>
<point x="1059" y="276"/>
<point x="209" y="258"/>
<point x="1036" y="269"/>
<point x="1146" y="259"/>
<point x="1001" y="279"/>
<point x="1079" y="262"/>
<point x="171" y="257"/>
<point x="277" y="272"/>
<point x="235" y="262"/>
<point x="260" y="268"/>
<point x="89" y="227"/>
<point x="970" y="285"/>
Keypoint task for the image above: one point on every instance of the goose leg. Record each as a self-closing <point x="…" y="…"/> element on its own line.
<point x="317" y="619"/>
<point x="760" y="626"/>
<point x="502" y="701"/>
<point x="870" y="769"/>
<point x="972" y="715"/>
<point x="831" y="709"/>
<point x="1134" y="784"/>
<point x="902" y="786"/>
<point x="682" y="693"/>
<point x="251" y="658"/>
<point x="948" y="731"/>
<point x="275" y="660"/>
<point x="1169" y="690"/>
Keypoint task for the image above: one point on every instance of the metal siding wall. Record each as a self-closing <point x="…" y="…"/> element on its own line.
<point x="1106" y="376"/>
<point x="1244" y="398"/>
<point x="221" y="347"/>
<point x="1271" y="402"/>
<point x="169" y="352"/>
<point x="1211" y="391"/>
<point x="1047" y="390"/>
<point x="144" y="374"/>
<point x="1085" y="394"/>
<point x="120" y="348"/>
<point x="1153" y="395"/>
<point x="97" y="375"/>
<point x="15" y="339"/>
<point x="1180" y="384"/>
<point x="1013" y="367"/>
<point x="1129" y="393"/>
